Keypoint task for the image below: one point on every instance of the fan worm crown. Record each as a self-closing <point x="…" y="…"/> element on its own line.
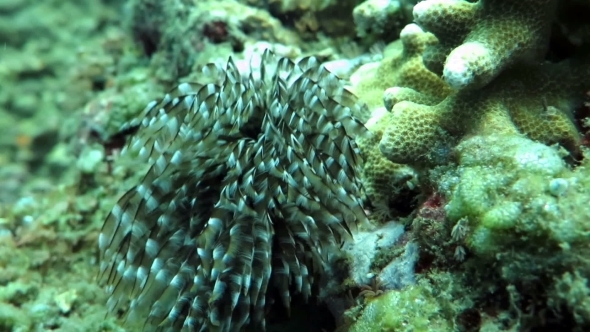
<point x="252" y="179"/>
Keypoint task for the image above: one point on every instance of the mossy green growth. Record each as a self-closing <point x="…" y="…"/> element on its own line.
<point x="513" y="190"/>
<point x="414" y="308"/>
<point x="573" y="290"/>
<point x="129" y="101"/>
<point x="521" y="212"/>
<point x="11" y="319"/>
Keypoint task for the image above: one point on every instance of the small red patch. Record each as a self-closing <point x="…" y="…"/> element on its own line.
<point x="433" y="208"/>
<point x="434" y="201"/>
<point x="216" y="31"/>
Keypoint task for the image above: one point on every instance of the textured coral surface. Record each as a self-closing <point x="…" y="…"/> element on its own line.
<point x="513" y="103"/>
<point x="401" y="67"/>
<point x="478" y="40"/>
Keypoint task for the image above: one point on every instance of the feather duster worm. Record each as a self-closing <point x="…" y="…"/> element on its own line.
<point x="252" y="179"/>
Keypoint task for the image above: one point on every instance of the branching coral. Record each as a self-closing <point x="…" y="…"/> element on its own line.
<point x="252" y="178"/>
<point x="383" y="180"/>
<point x="491" y="52"/>
<point x="403" y="68"/>
<point x="536" y="100"/>
<point x="477" y="41"/>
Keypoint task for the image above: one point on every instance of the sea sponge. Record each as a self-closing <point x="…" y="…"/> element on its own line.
<point x="249" y="176"/>
<point x="479" y="40"/>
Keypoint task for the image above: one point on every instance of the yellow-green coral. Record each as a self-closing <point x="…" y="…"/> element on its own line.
<point x="477" y="41"/>
<point x="383" y="180"/>
<point x="494" y="59"/>
<point x="535" y="100"/>
<point x="402" y="66"/>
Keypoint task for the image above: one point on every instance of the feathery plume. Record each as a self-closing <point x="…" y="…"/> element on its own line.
<point x="252" y="178"/>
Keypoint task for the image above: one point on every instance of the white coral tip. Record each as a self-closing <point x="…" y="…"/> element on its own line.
<point x="420" y="9"/>
<point x="411" y="29"/>
<point x="464" y="63"/>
